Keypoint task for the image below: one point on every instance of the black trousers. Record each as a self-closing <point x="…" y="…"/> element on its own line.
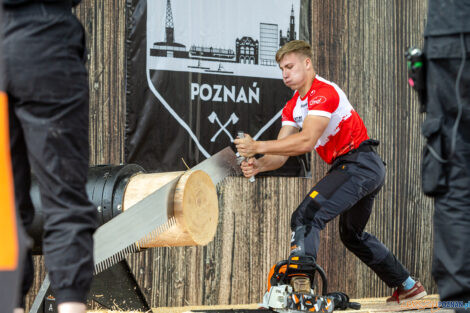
<point x="448" y="182"/>
<point x="47" y="86"/>
<point x="348" y="190"/>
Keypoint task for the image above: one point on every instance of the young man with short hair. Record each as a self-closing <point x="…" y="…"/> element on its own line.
<point x="319" y="116"/>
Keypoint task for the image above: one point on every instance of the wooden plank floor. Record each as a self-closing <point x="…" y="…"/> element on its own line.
<point x="370" y="305"/>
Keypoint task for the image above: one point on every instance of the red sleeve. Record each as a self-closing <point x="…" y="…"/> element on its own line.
<point x="324" y="102"/>
<point x="288" y="113"/>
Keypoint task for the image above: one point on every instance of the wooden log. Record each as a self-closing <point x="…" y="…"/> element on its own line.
<point x="195" y="206"/>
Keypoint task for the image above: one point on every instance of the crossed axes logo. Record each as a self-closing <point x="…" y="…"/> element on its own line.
<point x="213" y="118"/>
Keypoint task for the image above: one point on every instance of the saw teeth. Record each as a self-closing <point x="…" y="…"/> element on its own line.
<point x="156" y="232"/>
<point x="119" y="256"/>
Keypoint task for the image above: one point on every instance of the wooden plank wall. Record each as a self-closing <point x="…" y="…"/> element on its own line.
<point x="357" y="44"/>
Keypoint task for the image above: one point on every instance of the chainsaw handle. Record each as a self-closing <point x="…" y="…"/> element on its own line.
<point x="279" y="265"/>
<point x="318" y="268"/>
<point x="276" y="271"/>
<point x="323" y="280"/>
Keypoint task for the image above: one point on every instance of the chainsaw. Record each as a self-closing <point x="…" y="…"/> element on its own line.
<point x="291" y="289"/>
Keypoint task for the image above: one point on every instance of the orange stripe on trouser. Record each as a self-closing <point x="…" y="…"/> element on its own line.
<point x="8" y="230"/>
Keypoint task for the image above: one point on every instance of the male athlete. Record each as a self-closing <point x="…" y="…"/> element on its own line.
<point x="329" y="124"/>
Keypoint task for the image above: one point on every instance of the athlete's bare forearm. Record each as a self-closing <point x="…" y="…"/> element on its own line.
<point x="293" y="145"/>
<point x="290" y="141"/>
<point x="271" y="162"/>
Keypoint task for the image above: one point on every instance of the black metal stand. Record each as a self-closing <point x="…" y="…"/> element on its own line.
<point x="115" y="289"/>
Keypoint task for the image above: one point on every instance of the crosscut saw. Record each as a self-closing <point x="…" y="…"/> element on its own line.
<point x="144" y="221"/>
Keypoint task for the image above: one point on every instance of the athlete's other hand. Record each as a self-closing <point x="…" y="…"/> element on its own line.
<point x="246" y="146"/>
<point x="250" y="167"/>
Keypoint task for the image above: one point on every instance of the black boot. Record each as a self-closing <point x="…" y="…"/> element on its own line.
<point x="305" y="241"/>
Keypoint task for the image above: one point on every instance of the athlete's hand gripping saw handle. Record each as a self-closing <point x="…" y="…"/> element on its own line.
<point x="240" y="159"/>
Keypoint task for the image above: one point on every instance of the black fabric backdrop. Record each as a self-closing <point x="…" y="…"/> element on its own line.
<point x="174" y="115"/>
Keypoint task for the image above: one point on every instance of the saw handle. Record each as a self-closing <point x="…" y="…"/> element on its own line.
<point x="241" y="135"/>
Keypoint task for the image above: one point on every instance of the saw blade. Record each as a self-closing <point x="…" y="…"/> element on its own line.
<point x="144" y="221"/>
<point x="126" y="233"/>
<point x="134" y="227"/>
<point x="220" y="165"/>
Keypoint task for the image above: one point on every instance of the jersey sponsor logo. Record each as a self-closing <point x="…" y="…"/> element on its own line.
<point x="318" y="100"/>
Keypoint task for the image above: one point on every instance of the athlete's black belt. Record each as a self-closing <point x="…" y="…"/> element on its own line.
<point x="368" y="145"/>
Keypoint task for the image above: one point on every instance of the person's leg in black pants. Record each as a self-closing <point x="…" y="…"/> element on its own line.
<point x="47" y="78"/>
<point x="348" y="189"/>
<point x="366" y="246"/>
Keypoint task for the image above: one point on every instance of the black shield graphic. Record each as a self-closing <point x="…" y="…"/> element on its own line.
<point x="196" y="77"/>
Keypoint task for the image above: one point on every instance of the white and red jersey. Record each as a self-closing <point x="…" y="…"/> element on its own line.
<point x="344" y="132"/>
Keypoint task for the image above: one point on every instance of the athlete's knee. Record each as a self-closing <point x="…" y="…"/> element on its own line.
<point x="305" y="214"/>
<point x="296" y="219"/>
